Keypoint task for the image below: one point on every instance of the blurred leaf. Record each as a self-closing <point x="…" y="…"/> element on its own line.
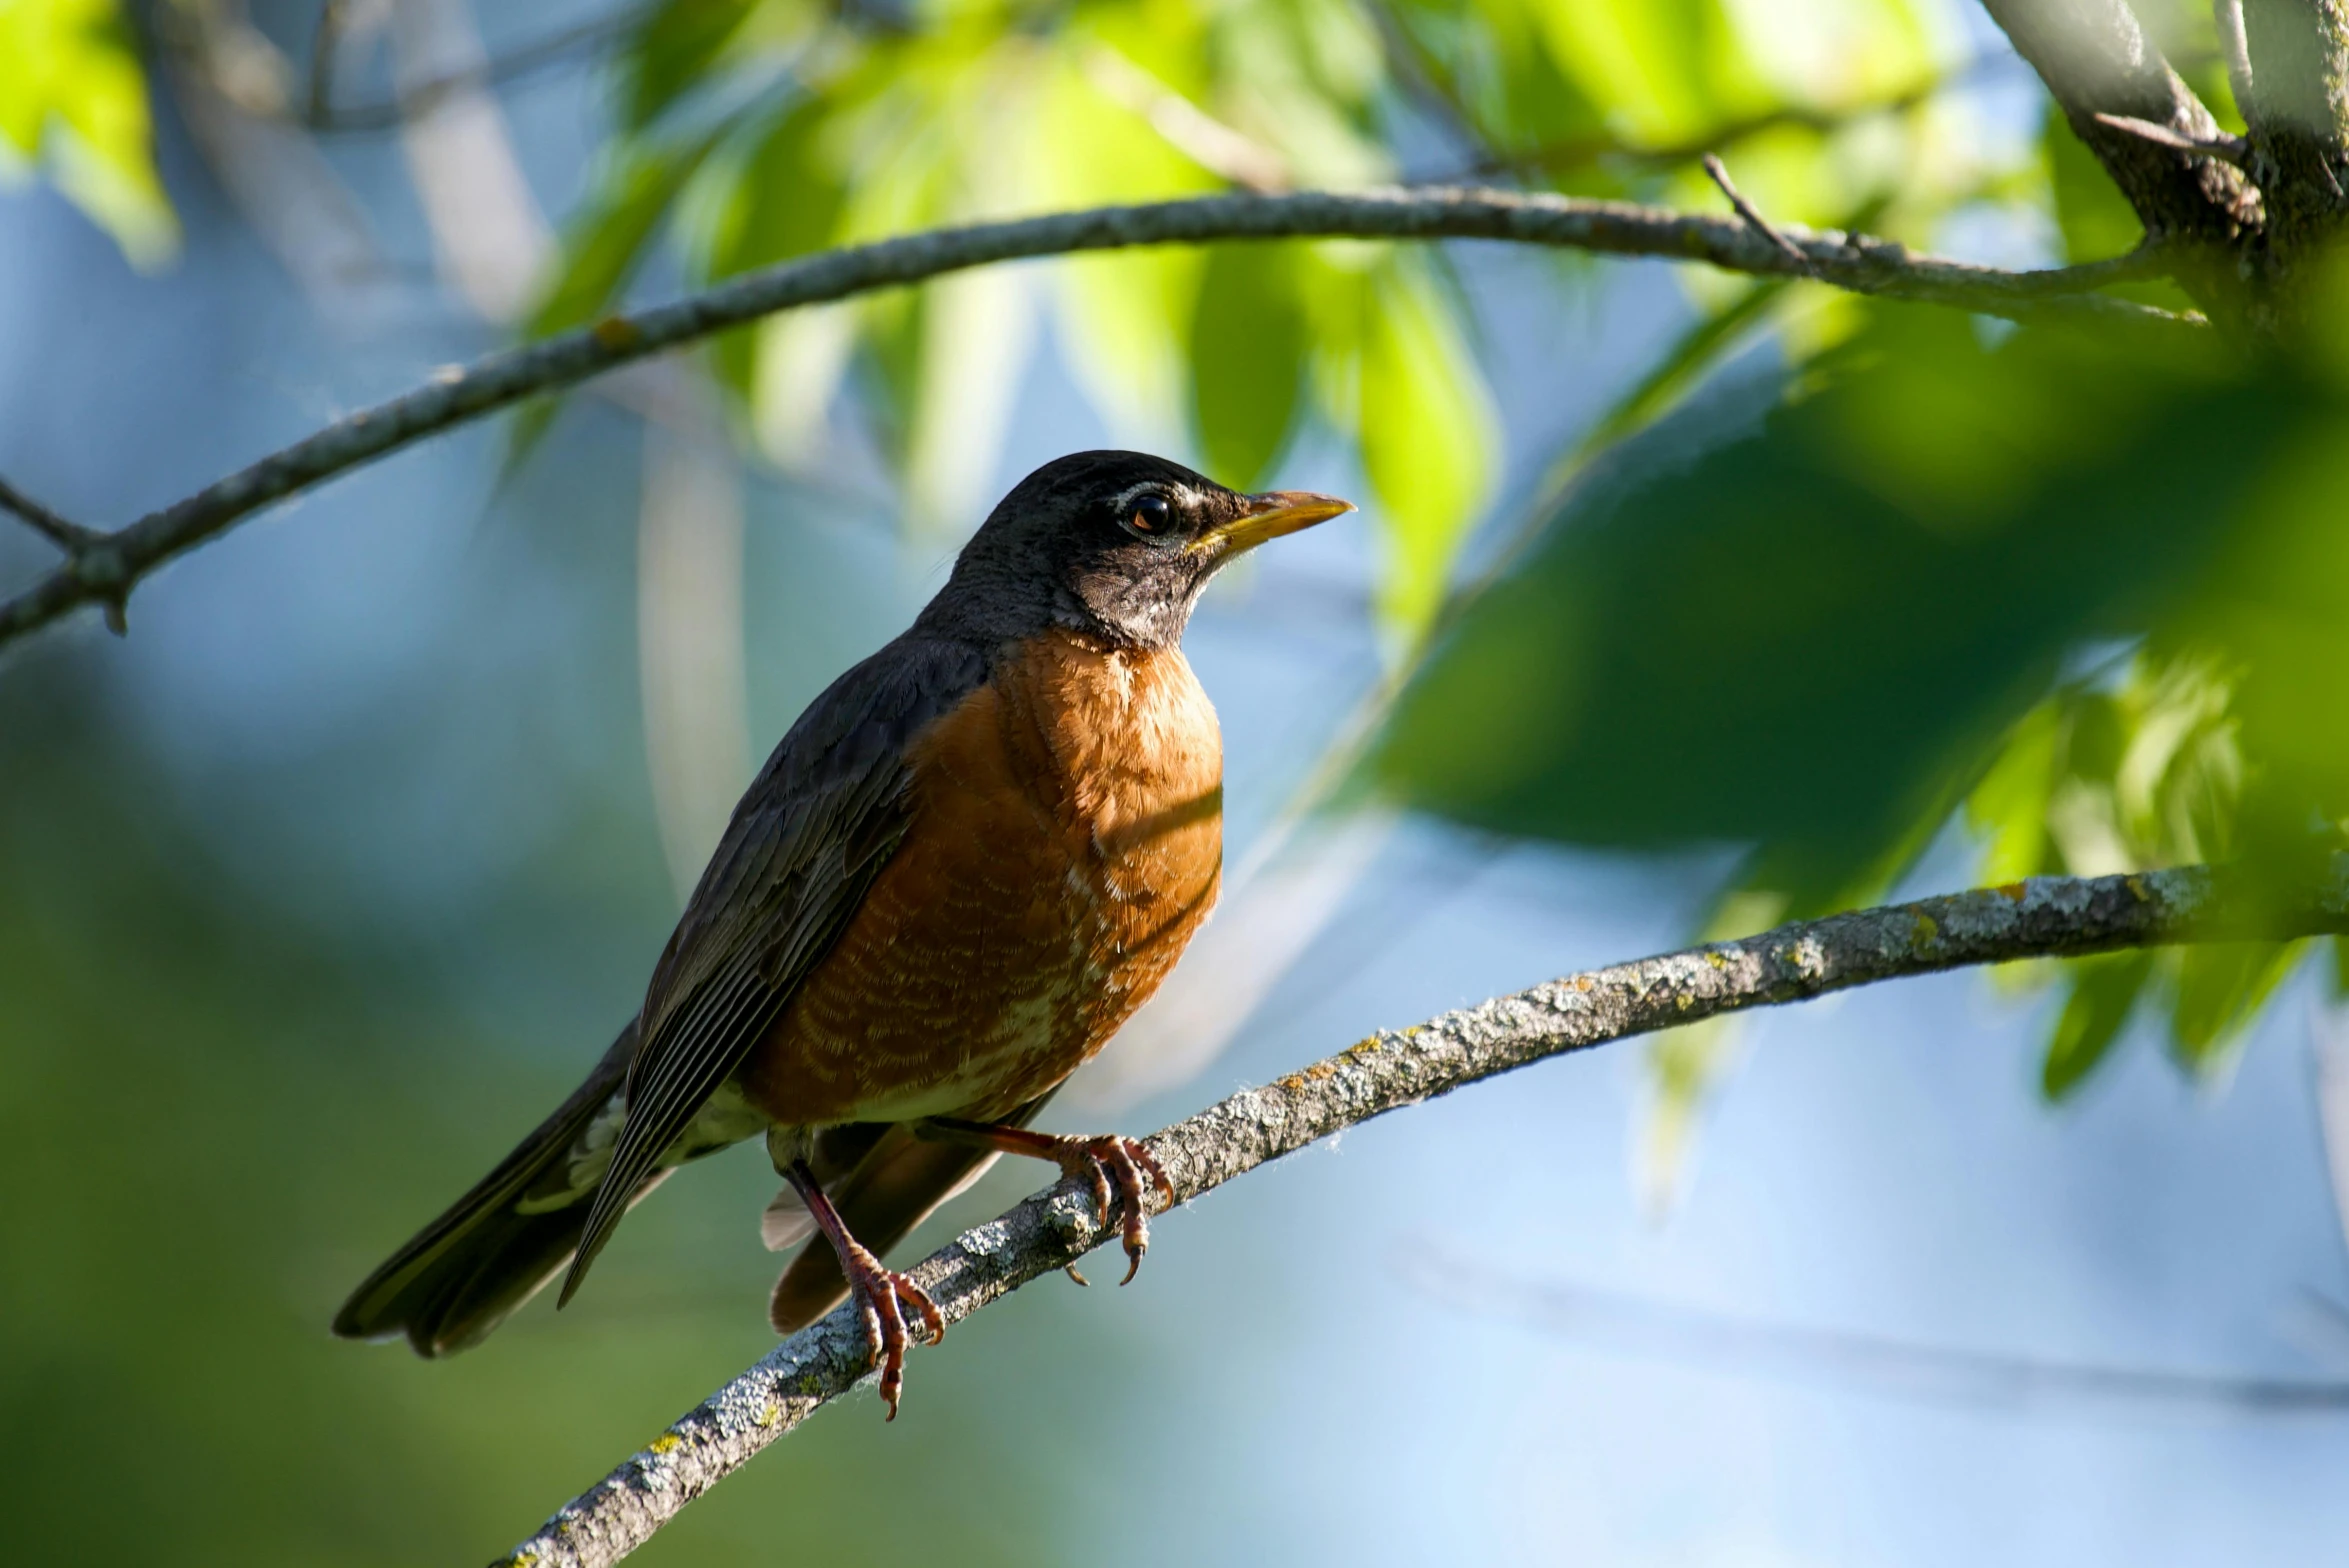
<point x="2008" y="808"/>
<point x="1426" y="428"/>
<point x="781" y="199"/>
<point x="606" y="240"/>
<point x="2095" y="589"/>
<point x="1805" y="640"/>
<point x="2095" y="219"/>
<point x="2220" y="985"/>
<point x="604" y="244"/>
<point x="671" y="52"/>
<point x="1248" y="344"/>
<point x="1125" y="320"/>
<point x="1692" y="356"/>
<point x="2104" y="995"/>
<point x="1650" y="61"/>
<point x="74" y="101"/>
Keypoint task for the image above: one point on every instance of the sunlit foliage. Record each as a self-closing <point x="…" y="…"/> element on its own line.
<point x="73" y="105"/>
<point x="2072" y="599"/>
<point x="753" y="132"/>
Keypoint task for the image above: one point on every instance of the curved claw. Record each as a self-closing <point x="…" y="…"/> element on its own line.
<point x="1103" y="1162"/>
<point x="882" y="1294"/>
<point x="1127" y="1162"/>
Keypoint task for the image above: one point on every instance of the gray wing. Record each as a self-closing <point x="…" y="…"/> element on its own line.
<point x="811" y="834"/>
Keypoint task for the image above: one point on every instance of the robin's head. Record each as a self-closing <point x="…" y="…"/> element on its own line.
<point x="1116" y="545"/>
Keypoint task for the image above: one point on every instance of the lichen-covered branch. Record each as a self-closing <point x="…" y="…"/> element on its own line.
<point x="2096" y="60"/>
<point x="2046" y="917"/>
<point x="109" y="567"/>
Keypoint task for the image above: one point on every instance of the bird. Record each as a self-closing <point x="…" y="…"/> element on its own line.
<point x="965" y="865"/>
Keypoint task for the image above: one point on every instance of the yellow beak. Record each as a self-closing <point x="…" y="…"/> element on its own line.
<point x="1269" y="516"/>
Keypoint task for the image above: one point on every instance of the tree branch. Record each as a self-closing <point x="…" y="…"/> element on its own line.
<point x="1718" y="173"/>
<point x="67" y="536"/>
<point x="2227" y="149"/>
<point x="2296" y="65"/>
<point x="88" y="552"/>
<point x="107" y="572"/>
<point x="2096" y="60"/>
<point x="2046" y="917"/>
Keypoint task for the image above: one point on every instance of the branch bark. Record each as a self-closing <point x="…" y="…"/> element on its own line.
<point x="109" y="567"/>
<point x="2096" y="60"/>
<point x="2296" y="72"/>
<point x="2046" y="917"/>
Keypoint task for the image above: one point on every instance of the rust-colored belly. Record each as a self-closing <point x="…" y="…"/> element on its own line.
<point x="1066" y="840"/>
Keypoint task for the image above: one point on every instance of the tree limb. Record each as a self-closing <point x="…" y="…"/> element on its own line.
<point x="107" y="572"/>
<point x="2296" y="66"/>
<point x="2096" y="60"/>
<point x="2045" y="917"/>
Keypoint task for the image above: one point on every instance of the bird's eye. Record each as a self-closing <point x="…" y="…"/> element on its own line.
<point x="1149" y="517"/>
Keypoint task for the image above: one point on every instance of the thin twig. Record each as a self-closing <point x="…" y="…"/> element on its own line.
<point x="1718" y="172"/>
<point x="1577" y="151"/>
<point x="1866" y="1363"/>
<point x="1855" y="262"/>
<point x="2227" y="149"/>
<point x="67" y="536"/>
<point x="322" y="116"/>
<point x="2045" y="917"/>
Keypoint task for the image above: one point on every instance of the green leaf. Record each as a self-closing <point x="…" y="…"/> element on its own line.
<point x="602" y="249"/>
<point x="1808" y="638"/>
<point x="671" y="52"/>
<point x="1646" y="61"/>
<point x="1426" y="430"/>
<point x="74" y="101"/>
<point x="2008" y="808"/>
<point x="1692" y="356"/>
<point x="2104" y="995"/>
<point x="1248" y="347"/>
<point x="781" y="199"/>
<point x="2220" y="986"/>
<point x="607" y="240"/>
<point x="2096" y="220"/>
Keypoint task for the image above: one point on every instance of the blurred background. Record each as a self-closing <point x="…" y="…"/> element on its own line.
<point x="1679" y="604"/>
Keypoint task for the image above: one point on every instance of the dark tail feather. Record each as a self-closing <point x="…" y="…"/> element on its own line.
<point x="892" y="1189"/>
<point x="462" y="1274"/>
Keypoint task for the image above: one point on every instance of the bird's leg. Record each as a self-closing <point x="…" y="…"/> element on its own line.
<point x="877" y="1291"/>
<point x="1106" y="1161"/>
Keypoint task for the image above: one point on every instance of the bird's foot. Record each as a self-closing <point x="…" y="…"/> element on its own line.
<point x="883" y="1298"/>
<point x="1125" y="1164"/>
<point x="1120" y="1170"/>
<point x="880" y="1293"/>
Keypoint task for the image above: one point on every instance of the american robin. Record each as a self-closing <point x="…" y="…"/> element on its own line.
<point x="965" y="866"/>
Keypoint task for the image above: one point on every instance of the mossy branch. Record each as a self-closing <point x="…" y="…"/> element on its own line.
<point x="105" y="568"/>
<point x="2049" y="917"/>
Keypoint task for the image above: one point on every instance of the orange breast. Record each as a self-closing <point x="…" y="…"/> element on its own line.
<point x="1066" y="840"/>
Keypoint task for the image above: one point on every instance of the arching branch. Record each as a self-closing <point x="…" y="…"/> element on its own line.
<point x="115" y="563"/>
<point x="2046" y="917"/>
